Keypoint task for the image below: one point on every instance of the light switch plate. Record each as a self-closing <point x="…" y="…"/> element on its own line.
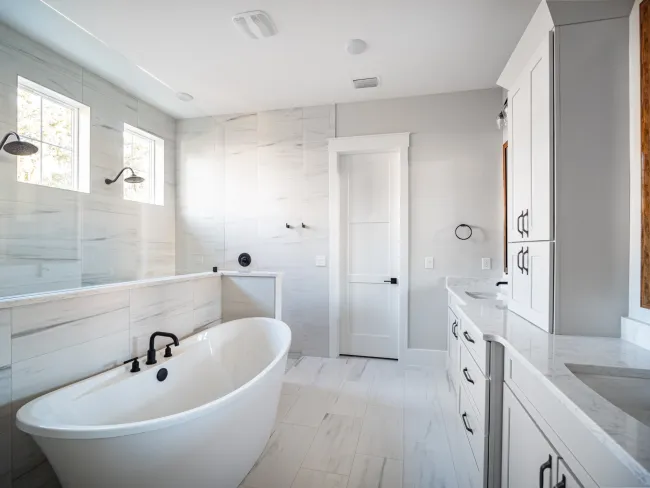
<point x="486" y="263"/>
<point x="321" y="261"/>
<point x="428" y="262"/>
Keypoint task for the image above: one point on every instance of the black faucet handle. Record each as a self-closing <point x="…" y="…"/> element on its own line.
<point x="168" y="350"/>
<point x="135" y="364"/>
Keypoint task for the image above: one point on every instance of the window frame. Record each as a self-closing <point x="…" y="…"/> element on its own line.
<point x="80" y="135"/>
<point x="156" y="165"/>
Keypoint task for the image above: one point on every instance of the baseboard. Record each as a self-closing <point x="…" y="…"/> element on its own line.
<point x="635" y="332"/>
<point x="424" y="357"/>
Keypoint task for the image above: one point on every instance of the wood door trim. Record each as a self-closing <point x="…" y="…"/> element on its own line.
<point x="644" y="29"/>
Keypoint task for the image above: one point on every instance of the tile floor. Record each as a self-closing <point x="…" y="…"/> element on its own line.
<point x="358" y="423"/>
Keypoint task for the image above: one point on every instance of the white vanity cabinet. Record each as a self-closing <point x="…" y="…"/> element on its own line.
<point x="453" y="347"/>
<point x="529" y="459"/>
<point x="530" y="212"/>
<point x="531" y="281"/>
<point x="565" y="79"/>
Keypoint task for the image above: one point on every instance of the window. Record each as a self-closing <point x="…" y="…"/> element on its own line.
<point x="60" y="128"/>
<point x="145" y="154"/>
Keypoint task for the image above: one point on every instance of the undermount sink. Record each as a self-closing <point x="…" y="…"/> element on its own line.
<point x="483" y="295"/>
<point x="628" y="389"/>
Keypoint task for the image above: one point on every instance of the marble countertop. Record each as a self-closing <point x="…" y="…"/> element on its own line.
<point x="548" y="354"/>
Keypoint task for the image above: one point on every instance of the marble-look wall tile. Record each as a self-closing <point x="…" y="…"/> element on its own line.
<point x="247" y="297"/>
<point x="5" y="425"/>
<point x="46" y="327"/>
<point x="207" y="301"/>
<point x="5" y="338"/>
<point x="166" y="307"/>
<point x="52" y="239"/>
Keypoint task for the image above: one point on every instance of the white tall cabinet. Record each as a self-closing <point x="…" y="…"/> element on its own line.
<point x="568" y="246"/>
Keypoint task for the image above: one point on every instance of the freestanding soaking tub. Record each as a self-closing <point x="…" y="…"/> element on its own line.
<point x="205" y="425"/>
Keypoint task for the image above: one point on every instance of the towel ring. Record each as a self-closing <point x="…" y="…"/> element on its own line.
<point x="463" y="238"/>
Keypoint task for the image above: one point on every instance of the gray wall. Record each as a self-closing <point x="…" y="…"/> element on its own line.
<point x="52" y="239"/>
<point x="455" y="177"/>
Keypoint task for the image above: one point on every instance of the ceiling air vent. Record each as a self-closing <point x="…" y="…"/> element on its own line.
<point x="255" y="24"/>
<point x="366" y="82"/>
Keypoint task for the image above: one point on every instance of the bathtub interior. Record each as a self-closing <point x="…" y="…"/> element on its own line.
<point x="205" y="368"/>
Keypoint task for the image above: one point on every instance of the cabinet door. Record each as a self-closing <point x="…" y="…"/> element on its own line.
<point x="531" y="282"/>
<point x="527" y="457"/>
<point x="530" y="133"/>
<point x="565" y="478"/>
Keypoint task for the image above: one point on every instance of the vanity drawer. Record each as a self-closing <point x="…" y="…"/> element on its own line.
<point x="472" y="425"/>
<point x="473" y="380"/>
<point x="472" y="337"/>
<point x="453" y="343"/>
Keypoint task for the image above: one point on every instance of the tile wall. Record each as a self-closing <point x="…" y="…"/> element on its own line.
<point x="241" y="179"/>
<point x="52" y="239"/>
<point x="49" y="343"/>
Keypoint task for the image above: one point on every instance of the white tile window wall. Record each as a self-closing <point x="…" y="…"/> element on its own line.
<point x="144" y="153"/>
<point x="60" y="128"/>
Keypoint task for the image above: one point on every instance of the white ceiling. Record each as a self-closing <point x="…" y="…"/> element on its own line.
<point x="415" y="46"/>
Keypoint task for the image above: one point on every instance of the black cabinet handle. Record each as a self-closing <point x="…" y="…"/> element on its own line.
<point x="453" y="328"/>
<point x="561" y="483"/>
<point x="392" y="281"/>
<point x="543" y="468"/>
<point x="467" y="427"/>
<point x="467" y="377"/>
<point x="523" y="222"/>
<point x="519" y="224"/>
<point x="521" y="268"/>
<point x="468" y="337"/>
<point x="523" y="260"/>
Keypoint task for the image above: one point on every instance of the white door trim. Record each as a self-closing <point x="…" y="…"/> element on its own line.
<point x="398" y="143"/>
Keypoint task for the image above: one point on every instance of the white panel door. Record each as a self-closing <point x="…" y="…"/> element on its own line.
<point x="518" y="158"/>
<point x="519" y="287"/>
<point x="527" y="457"/>
<point x="370" y="253"/>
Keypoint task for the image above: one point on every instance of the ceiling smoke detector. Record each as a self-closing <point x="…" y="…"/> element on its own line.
<point x="366" y="82"/>
<point x="255" y="24"/>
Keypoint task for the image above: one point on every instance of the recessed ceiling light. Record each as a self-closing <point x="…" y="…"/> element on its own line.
<point x="185" y="97"/>
<point x="356" y="46"/>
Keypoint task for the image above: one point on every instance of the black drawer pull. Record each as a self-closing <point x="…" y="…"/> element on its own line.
<point x="561" y="483"/>
<point x="524" y="260"/>
<point x="543" y="468"/>
<point x="524" y="218"/>
<point x="453" y="328"/>
<point x="519" y="224"/>
<point x="468" y="337"/>
<point x="467" y="377"/>
<point x="467" y="427"/>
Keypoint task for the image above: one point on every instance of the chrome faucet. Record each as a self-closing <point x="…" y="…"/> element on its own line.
<point x="151" y="353"/>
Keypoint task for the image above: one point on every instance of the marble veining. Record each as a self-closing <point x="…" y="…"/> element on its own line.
<point x="547" y="355"/>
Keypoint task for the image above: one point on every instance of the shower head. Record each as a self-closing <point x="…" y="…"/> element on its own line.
<point x="134" y="179"/>
<point x="18" y="147"/>
<point x="129" y="179"/>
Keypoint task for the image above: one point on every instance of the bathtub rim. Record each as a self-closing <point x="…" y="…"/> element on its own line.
<point x="29" y="423"/>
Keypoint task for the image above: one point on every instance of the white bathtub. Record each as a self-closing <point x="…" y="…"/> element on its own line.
<point x="204" y="426"/>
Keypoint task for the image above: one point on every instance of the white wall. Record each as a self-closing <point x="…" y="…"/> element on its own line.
<point x="455" y="177"/>
<point x="52" y="239"/>
<point x="635" y="310"/>
<point x="241" y="178"/>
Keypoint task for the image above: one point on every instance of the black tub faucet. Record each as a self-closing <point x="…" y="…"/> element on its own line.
<point x="151" y="353"/>
<point x="499" y="283"/>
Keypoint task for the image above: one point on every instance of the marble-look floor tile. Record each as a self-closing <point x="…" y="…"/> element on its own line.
<point x="307" y="478"/>
<point x="310" y="408"/>
<point x="351" y="399"/>
<point x="279" y="463"/>
<point x="286" y="402"/>
<point x="304" y="371"/>
<point x="290" y="389"/>
<point x="42" y="476"/>
<point x="335" y="444"/>
<point x="375" y="472"/>
<point x="382" y="432"/>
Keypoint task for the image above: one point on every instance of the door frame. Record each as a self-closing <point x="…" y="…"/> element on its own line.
<point x="340" y="146"/>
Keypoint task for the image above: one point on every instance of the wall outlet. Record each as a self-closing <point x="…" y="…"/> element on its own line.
<point x="486" y="263"/>
<point x="321" y="261"/>
<point x="428" y="262"/>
